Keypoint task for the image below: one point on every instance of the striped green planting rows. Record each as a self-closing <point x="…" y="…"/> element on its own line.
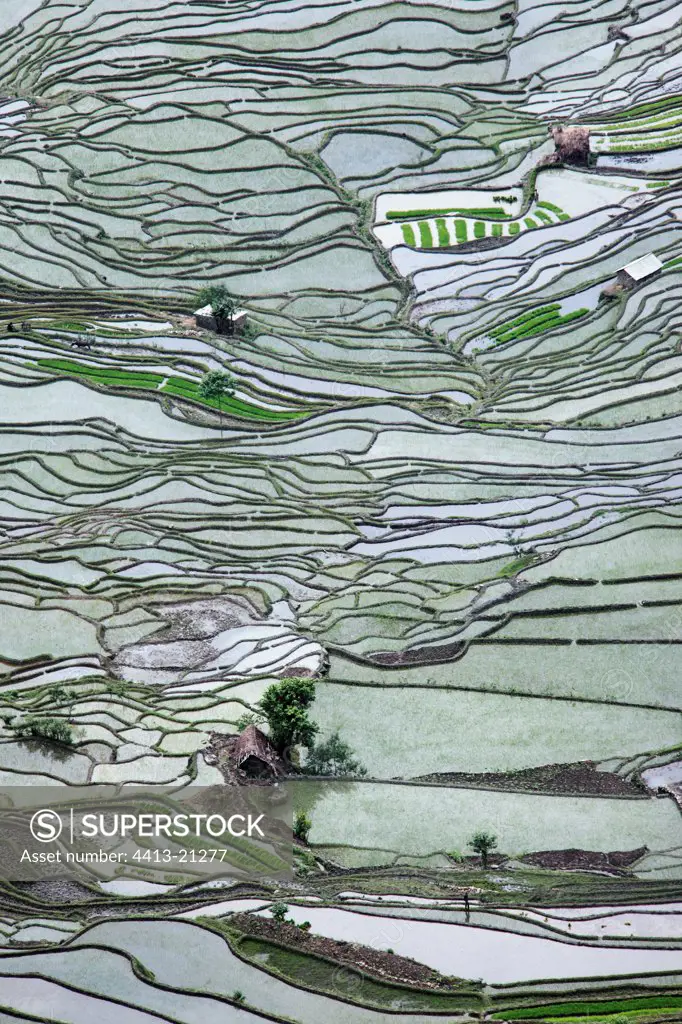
<point x="179" y="386"/>
<point x="436" y="232"/>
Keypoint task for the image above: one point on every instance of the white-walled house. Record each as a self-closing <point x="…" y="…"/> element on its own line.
<point x="204" y="318"/>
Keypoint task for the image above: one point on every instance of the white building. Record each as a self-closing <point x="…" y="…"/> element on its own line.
<point x="204" y="318"/>
<point x="643" y="267"/>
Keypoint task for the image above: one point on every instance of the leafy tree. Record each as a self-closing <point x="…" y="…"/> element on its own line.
<point x="216" y="385"/>
<point x="333" y="757"/>
<point x="483" y="843"/>
<point x="44" y="728"/>
<point x="285" y="707"/>
<point x="279" y="912"/>
<point x="224" y="311"/>
<point x="302" y="826"/>
<point x="212" y="295"/>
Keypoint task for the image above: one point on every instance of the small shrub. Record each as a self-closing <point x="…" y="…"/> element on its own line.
<point x="483" y="843"/>
<point x="247" y="719"/>
<point x="238" y="996"/>
<point x="44" y="728"/>
<point x="302" y="826"/>
<point x="279" y="912"/>
<point x="333" y="757"/>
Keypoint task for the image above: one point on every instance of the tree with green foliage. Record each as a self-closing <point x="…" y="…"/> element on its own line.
<point x="483" y="843"/>
<point x="223" y="312"/>
<point x="211" y="295"/>
<point x="302" y="826"/>
<point x="279" y="912"/>
<point x="333" y="757"/>
<point x="44" y="728"/>
<point x="216" y="385"/>
<point x="285" y="708"/>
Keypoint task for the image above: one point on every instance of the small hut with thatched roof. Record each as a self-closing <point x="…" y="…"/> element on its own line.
<point x="255" y="756"/>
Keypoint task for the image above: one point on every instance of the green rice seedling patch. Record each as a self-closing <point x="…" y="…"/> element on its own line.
<point x="641" y="110"/>
<point x="524" y="318"/>
<point x="102" y="375"/>
<point x="657" y="184"/>
<point x="425" y="236"/>
<point x="408" y="234"/>
<point x="514" y="229"/>
<point x="594" y="1009"/>
<point x="416" y="214"/>
<point x="535" y="322"/>
<point x="313" y="972"/>
<point x="184" y="388"/>
<point x="179" y="386"/>
<point x="497" y="230"/>
<point x="490" y="212"/>
<point x="479" y="229"/>
<point x="461" y="231"/>
<point x="69" y="325"/>
<point x="443" y="233"/>
<point x="544" y="217"/>
<point x="516" y="566"/>
<point x="530" y="223"/>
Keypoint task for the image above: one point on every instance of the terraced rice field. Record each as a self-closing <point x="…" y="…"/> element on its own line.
<point x="446" y="487"/>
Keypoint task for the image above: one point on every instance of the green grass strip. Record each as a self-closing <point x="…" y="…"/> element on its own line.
<point x="408" y="234"/>
<point x="425" y="236"/>
<point x="549" y="206"/>
<point x="497" y="230"/>
<point x="443" y="233"/>
<point x="544" y="217"/>
<point x="514" y="228"/>
<point x="461" y="231"/>
<point x="479" y="229"/>
<point x="530" y="223"/>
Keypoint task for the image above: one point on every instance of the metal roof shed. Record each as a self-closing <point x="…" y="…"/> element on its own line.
<point x="643" y="267"/>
